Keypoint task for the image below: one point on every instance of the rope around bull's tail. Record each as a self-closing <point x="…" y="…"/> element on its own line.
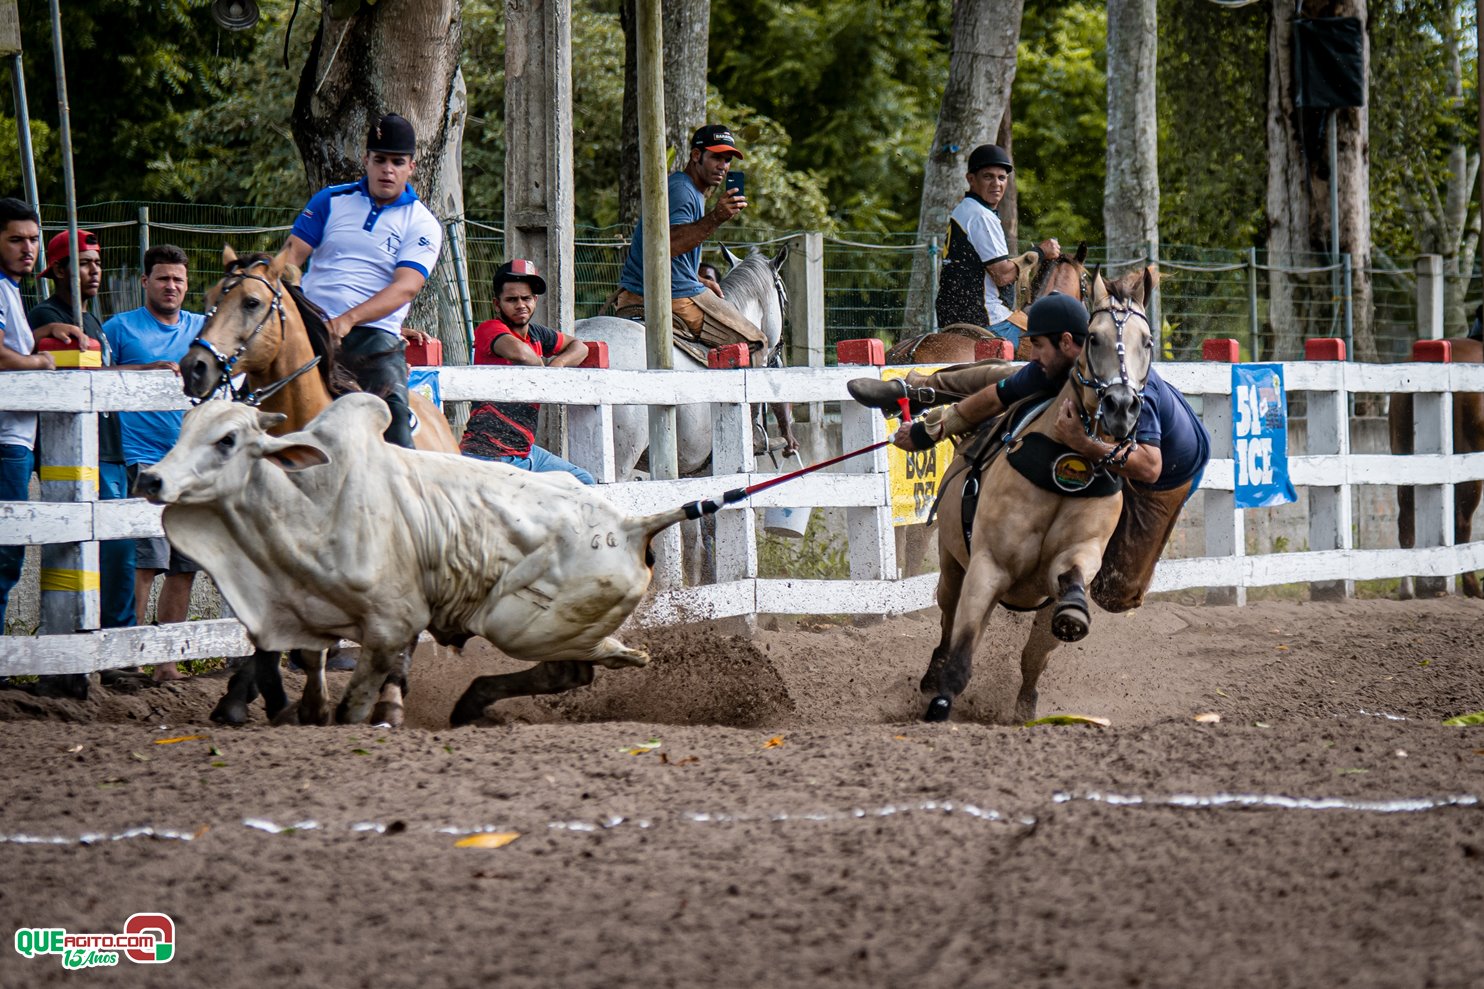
<point x="710" y="506"/>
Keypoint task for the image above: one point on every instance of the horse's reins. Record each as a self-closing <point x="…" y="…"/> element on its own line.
<point x="225" y="363"/>
<point x="1118" y="456"/>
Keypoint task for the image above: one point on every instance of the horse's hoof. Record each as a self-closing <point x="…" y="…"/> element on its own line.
<point x="1025" y="707"/>
<point x="938" y="708"/>
<point x="275" y="705"/>
<point x="229" y="712"/>
<point x="386" y="715"/>
<point x="1070" y="624"/>
<point x="312" y="716"/>
<point x="288" y="716"/>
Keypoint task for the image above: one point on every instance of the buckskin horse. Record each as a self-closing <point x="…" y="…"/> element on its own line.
<point x="957" y="344"/>
<point x="254" y="327"/>
<point x="1034" y="548"/>
<point x="1468" y="437"/>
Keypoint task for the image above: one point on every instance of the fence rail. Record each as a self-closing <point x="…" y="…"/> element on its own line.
<point x="861" y="487"/>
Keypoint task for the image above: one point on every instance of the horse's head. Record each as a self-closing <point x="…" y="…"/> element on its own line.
<point x="1114" y="364"/>
<point x="1065" y="274"/>
<point x="756" y="288"/>
<point x="244" y="323"/>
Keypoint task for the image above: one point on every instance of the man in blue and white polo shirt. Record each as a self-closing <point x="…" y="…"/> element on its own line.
<point x="373" y="244"/>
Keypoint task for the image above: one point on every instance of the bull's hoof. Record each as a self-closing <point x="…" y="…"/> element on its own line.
<point x="386" y="715"/>
<point x="229" y="711"/>
<point x="275" y="703"/>
<point x="466" y="713"/>
<point x="310" y="715"/>
<point x="938" y="708"/>
<point x="1070" y="623"/>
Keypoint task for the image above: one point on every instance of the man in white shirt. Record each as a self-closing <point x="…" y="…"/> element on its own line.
<point x="373" y="244"/>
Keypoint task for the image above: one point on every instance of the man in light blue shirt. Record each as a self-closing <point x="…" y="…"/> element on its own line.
<point x="699" y="313"/>
<point x="373" y="244"/>
<point x="155" y="337"/>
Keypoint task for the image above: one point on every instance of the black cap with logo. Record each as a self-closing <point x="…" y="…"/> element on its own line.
<point x="391" y="134"/>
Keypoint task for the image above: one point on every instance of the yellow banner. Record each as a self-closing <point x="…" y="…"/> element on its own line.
<point x="68" y="580"/>
<point x="89" y="474"/>
<point x="914" y="476"/>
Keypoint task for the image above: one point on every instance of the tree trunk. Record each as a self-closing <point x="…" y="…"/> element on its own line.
<point x="981" y="69"/>
<point x="1131" y="189"/>
<point x="395" y="56"/>
<point x="1298" y="200"/>
<point x="687" y="27"/>
<point x="1010" y="204"/>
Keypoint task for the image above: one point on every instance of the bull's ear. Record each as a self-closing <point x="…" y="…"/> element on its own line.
<point x="267" y="420"/>
<point x="297" y="457"/>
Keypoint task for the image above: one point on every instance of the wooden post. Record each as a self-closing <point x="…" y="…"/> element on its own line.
<point x="1329" y="507"/>
<point x="1226" y="528"/>
<point x="873" y="545"/>
<point x="1429" y="297"/>
<point x="69" y="473"/>
<point x="803" y="278"/>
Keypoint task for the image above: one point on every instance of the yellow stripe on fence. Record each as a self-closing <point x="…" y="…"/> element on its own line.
<point x="89" y="474"/>
<point x="68" y="580"/>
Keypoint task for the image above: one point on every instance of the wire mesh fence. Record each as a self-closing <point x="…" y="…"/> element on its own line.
<point x="1269" y="304"/>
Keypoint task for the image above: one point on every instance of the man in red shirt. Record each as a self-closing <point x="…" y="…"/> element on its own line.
<point x="506" y="431"/>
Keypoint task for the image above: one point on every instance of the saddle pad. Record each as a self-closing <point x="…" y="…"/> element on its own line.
<point x="1053" y="467"/>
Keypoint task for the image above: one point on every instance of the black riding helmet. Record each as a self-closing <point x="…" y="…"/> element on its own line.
<point x="1055" y="314"/>
<point x="989" y="154"/>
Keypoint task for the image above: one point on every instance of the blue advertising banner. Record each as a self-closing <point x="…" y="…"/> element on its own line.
<point x="1260" y="436"/>
<point x="425" y="380"/>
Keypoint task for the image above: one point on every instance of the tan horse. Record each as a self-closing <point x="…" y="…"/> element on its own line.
<point x="1032" y="546"/>
<point x="254" y="327"/>
<point x="1066" y="275"/>
<point x="1468" y="437"/>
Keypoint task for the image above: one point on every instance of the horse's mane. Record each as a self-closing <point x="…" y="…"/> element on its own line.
<point x="338" y="381"/>
<point x="753" y="275"/>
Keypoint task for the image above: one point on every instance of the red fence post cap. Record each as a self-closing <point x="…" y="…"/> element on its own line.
<point x="1324" y="349"/>
<point x="1223" y="349"/>
<point x="868" y="351"/>
<point x="597" y="354"/>
<point x="1433" y="351"/>
<point x="428" y="354"/>
<point x="729" y="356"/>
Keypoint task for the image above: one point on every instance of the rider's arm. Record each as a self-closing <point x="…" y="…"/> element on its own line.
<point x="1005" y="270"/>
<point x="298" y="251"/>
<point x="1145" y="461"/>
<point x="688" y="236"/>
<point x="406" y="283"/>
<point x="571" y="355"/>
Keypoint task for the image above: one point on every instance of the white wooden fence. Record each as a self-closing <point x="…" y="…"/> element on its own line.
<point x="859" y="486"/>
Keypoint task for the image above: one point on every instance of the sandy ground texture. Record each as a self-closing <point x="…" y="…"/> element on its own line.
<point x="769" y="812"/>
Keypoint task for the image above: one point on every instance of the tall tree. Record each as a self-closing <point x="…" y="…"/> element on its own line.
<point x="981" y="69"/>
<point x="1131" y="188"/>
<point x="392" y="56"/>
<point x="686" y="25"/>
<point x="1299" y="181"/>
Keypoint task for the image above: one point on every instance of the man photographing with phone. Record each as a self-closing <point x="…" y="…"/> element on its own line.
<point x="699" y="313"/>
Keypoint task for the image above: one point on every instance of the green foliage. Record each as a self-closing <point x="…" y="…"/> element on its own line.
<point x="1060" y="120"/>
<point x="819" y="555"/>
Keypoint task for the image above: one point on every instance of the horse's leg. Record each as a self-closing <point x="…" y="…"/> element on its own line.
<point x="1070" y="619"/>
<point x="543" y="678"/>
<point x="976" y="594"/>
<point x="1033" y="659"/>
<point x="388" y="711"/>
<point x="242" y="690"/>
<point x="269" y="678"/>
<point x="1465" y="503"/>
<point x="314" y="704"/>
<point x="917" y="540"/>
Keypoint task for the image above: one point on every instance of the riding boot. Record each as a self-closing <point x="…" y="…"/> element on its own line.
<point x="377" y="359"/>
<point x="875" y="393"/>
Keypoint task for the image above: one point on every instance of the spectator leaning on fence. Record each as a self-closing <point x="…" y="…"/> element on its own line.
<point x="373" y="244"/>
<point x="506" y="431"/>
<point x="154" y="337"/>
<point x="116" y="556"/>
<point x="976" y="285"/>
<point x="20" y="236"/>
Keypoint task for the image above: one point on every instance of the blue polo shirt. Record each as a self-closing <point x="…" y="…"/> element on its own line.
<point x="136" y="337"/>
<point x="359" y="245"/>
<point x="687" y="205"/>
<point x="1166" y="420"/>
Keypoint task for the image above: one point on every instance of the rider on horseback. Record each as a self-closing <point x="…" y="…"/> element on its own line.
<point x="1161" y="471"/>
<point x="976" y="287"/>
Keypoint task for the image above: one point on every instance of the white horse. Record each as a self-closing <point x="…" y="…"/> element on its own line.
<point x="754" y="286"/>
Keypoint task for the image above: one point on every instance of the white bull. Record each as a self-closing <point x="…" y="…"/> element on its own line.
<point x="334" y="533"/>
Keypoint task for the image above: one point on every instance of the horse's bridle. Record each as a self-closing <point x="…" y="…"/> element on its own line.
<point x="225" y="363"/>
<point x="775" y="356"/>
<point x="1118" y="456"/>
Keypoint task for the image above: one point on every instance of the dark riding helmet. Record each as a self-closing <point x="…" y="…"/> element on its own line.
<point x="989" y="154"/>
<point x="1055" y="314"/>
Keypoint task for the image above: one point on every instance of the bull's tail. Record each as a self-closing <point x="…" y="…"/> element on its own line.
<point x="650" y="525"/>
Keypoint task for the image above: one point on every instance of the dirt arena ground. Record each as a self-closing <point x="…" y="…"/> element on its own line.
<point x="768" y="812"/>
